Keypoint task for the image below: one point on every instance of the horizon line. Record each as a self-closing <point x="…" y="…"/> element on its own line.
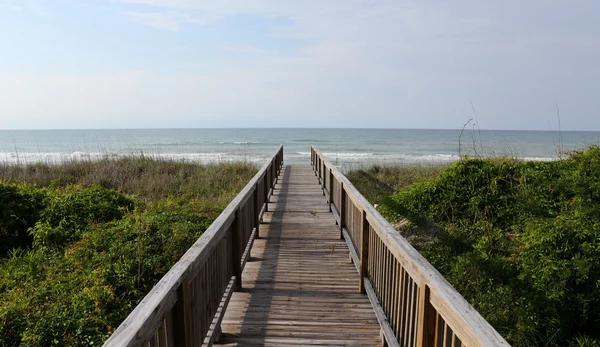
<point x="287" y="128"/>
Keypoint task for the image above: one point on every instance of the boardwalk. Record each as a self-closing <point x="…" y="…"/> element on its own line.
<point x="299" y="287"/>
<point x="294" y="285"/>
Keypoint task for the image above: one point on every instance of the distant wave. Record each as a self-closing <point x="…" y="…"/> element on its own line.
<point x="341" y="155"/>
<point x="368" y="158"/>
<point x="58" y="158"/>
<point x="360" y="158"/>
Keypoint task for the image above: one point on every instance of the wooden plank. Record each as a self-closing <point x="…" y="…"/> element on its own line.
<point x="467" y="324"/>
<point x="145" y="319"/>
<point x="353" y="253"/>
<point x="427" y="315"/>
<point x="216" y="324"/>
<point x="343" y="215"/>
<point x="387" y="332"/>
<point x="236" y="254"/>
<point x="246" y="254"/>
<point x="299" y="289"/>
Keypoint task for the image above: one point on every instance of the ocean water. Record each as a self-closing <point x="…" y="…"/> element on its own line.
<point x="346" y="148"/>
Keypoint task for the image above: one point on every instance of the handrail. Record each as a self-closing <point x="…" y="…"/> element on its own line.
<point x="185" y="307"/>
<point x="415" y="305"/>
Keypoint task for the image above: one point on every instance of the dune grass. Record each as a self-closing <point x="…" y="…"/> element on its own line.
<point x="519" y="240"/>
<point x="83" y="242"/>
<point x="379" y="181"/>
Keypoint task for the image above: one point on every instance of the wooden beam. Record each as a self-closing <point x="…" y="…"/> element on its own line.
<point x="386" y="330"/>
<point x="342" y="209"/>
<point x="215" y="328"/>
<point x="364" y="250"/>
<point x="427" y="319"/>
<point x="236" y="255"/>
<point x="256" y="211"/>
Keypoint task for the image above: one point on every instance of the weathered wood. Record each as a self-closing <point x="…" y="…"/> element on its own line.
<point x="387" y="332"/>
<point x="342" y="210"/>
<point x="246" y="254"/>
<point x="173" y="295"/>
<point x="299" y="289"/>
<point x="257" y="215"/>
<point x="215" y="331"/>
<point x="355" y="257"/>
<point x="331" y="192"/>
<point x="397" y="271"/>
<point x="427" y="316"/>
<point x="364" y="251"/>
<point x="236" y="254"/>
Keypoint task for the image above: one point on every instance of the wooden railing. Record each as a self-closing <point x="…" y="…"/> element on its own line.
<point x="414" y="304"/>
<point x="186" y="306"/>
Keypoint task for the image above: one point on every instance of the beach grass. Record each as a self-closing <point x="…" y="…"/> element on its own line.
<point x="84" y="241"/>
<point x="379" y="181"/>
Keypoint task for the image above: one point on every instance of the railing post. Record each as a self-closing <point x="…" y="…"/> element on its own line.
<point x="255" y="216"/>
<point x="364" y="250"/>
<point x="275" y="172"/>
<point x="426" y="318"/>
<point x="236" y="254"/>
<point x="320" y="169"/>
<point x="280" y="161"/>
<point x="180" y="314"/>
<point x="324" y="185"/>
<point x="266" y="190"/>
<point x="315" y="159"/>
<point x="342" y="209"/>
<point x="330" y="188"/>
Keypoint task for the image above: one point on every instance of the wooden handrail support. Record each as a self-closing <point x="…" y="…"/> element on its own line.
<point x="185" y="307"/>
<point x="415" y="305"/>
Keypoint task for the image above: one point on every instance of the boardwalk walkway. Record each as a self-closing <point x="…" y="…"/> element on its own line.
<point x="299" y="287"/>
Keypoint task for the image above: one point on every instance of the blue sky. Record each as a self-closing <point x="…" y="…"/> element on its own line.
<point x="277" y="63"/>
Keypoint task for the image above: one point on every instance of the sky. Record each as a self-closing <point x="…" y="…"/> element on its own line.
<point x="79" y="64"/>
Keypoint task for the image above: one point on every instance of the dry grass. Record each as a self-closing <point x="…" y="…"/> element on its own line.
<point x="141" y="176"/>
<point x="378" y="182"/>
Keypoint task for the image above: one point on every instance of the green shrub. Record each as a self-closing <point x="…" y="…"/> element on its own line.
<point x="69" y="213"/>
<point x="21" y="207"/>
<point x="93" y="251"/>
<point x="519" y="240"/>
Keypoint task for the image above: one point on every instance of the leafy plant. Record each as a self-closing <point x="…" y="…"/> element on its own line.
<point x="92" y="251"/>
<point x="519" y="240"/>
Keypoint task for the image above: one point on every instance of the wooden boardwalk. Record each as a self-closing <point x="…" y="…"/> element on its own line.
<point x="294" y="285"/>
<point x="299" y="287"/>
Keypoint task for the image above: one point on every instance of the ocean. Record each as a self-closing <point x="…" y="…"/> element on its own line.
<point x="347" y="148"/>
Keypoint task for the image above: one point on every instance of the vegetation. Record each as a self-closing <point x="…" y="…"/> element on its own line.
<point x="378" y="182"/>
<point x="83" y="242"/>
<point x="519" y="240"/>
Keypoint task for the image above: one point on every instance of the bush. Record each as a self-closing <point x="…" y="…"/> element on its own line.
<point x="93" y="252"/>
<point x="519" y="240"/>
<point x="21" y="207"/>
<point x="68" y="213"/>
